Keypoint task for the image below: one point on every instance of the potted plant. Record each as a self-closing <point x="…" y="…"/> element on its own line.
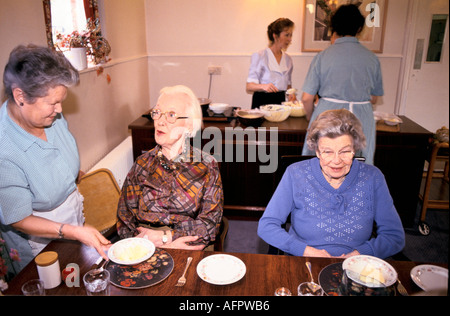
<point x="73" y="47"/>
<point x="79" y="45"/>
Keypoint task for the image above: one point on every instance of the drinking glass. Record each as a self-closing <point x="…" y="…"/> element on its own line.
<point x="310" y="289"/>
<point x="96" y="284"/>
<point x="33" y="288"/>
<point x="283" y="291"/>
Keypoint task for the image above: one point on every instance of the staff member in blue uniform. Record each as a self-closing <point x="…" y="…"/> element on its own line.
<point x="39" y="161"/>
<point x="271" y="69"/>
<point x="346" y="75"/>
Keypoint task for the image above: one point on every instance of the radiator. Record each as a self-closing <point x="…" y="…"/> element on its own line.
<point x="119" y="161"/>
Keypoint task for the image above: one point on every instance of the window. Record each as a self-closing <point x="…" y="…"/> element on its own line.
<point x="437" y="35"/>
<point x="81" y="30"/>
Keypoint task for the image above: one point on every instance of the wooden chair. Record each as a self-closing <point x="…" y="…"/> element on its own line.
<point x="220" y="241"/>
<point x="101" y="195"/>
<point x="439" y="152"/>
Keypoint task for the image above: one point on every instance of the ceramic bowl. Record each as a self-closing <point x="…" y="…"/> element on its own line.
<point x="276" y="112"/>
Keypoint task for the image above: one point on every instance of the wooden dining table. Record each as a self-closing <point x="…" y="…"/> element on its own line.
<point x="263" y="273"/>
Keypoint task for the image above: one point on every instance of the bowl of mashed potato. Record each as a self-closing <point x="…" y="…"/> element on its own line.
<point x="131" y="251"/>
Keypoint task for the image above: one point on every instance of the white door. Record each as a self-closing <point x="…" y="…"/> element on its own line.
<point x="425" y="94"/>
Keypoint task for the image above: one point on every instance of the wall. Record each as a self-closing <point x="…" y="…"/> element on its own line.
<point x="98" y="112"/>
<point x="158" y="43"/>
<point x="182" y="43"/>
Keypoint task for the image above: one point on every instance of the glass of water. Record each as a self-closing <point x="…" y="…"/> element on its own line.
<point x="96" y="284"/>
<point x="33" y="288"/>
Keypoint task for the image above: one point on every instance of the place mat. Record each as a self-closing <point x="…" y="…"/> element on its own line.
<point x="150" y="272"/>
<point x="382" y="127"/>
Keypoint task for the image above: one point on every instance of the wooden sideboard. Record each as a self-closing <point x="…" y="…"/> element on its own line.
<point x="400" y="155"/>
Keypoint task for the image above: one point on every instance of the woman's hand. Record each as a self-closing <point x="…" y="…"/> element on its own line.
<point x="314" y="252"/>
<point x="155" y="236"/>
<point x="183" y="243"/>
<point x="269" y="87"/>
<point x="260" y="87"/>
<point x="89" y="236"/>
<point x="350" y="254"/>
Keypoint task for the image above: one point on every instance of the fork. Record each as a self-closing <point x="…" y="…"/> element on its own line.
<point x="182" y="279"/>
<point x="401" y="289"/>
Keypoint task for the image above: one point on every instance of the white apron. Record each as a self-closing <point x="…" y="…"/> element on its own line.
<point x="343" y="101"/>
<point x="69" y="212"/>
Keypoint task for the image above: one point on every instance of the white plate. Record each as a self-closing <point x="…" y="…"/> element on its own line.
<point x="146" y="247"/>
<point x="221" y="269"/>
<point x="430" y="277"/>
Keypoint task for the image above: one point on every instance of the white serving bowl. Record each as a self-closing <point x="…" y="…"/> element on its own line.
<point x="131" y="251"/>
<point x="218" y="108"/>
<point x="276" y="112"/>
<point x="297" y="108"/>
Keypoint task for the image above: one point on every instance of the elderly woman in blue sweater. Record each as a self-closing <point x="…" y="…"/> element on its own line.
<point x="334" y="200"/>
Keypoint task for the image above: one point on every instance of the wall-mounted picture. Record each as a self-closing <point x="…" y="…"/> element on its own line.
<point x="316" y="28"/>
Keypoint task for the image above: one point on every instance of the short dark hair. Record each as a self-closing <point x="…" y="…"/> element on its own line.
<point x="278" y="26"/>
<point x="347" y="20"/>
<point x="35" y="69"/>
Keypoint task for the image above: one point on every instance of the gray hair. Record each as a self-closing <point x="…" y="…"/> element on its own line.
<point x="35" y="70"/>
<point x="194" y="110"/>
<point x="335" y="123"/>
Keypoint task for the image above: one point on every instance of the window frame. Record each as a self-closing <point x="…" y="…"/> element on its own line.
<point x="90" y="8"/>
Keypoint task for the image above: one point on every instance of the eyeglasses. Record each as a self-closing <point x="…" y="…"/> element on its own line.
<point x="171" y="116"/>
<point x="344" y="155"/>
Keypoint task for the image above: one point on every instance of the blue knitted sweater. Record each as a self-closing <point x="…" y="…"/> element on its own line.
<point x="337" y="220"/>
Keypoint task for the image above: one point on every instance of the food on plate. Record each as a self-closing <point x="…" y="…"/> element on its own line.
<point x="130" y="252"/>
<point x="372" y="274"/>
<point x="251" y="116"/>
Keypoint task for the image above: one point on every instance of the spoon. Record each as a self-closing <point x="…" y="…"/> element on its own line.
<point x="312" y="285"/>
<point x="101" y="268"/>
<point x="308" y="265"/>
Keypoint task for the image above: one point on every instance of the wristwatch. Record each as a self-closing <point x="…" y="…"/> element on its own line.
<point x="165" y="239"/>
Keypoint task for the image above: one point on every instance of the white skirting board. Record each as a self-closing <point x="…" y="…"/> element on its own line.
<point x="119" y="161"/>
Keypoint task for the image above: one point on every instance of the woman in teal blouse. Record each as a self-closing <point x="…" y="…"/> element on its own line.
<point x="39" y="161"/>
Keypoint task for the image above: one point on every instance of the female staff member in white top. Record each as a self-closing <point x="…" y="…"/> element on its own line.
<point x="271" y="69"/>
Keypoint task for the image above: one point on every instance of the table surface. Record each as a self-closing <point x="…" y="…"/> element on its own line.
<point x="264" y="273"/>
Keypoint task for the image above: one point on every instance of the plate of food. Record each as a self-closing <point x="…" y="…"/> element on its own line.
<point x="131" y="251"/>
<point x="370" y="271"/>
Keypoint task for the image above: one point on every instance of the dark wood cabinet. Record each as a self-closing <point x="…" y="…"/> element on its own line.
<point x="248" y="167"/>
